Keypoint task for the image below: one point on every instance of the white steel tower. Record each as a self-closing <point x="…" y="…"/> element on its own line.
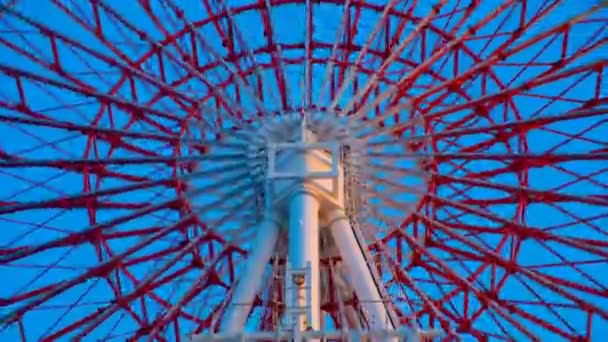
<point x="309" y="189"/>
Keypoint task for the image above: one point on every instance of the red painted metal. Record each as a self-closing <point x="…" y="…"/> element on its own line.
<point x="461" y="280"/>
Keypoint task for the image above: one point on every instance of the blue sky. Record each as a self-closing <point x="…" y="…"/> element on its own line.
<point x="31" y="185"/>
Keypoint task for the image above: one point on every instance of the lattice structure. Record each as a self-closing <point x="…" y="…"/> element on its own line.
<point x="128" y="204"/>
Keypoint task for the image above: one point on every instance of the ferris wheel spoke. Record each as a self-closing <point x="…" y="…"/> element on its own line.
<point x="464" y="12"/>
<point x="578" y="219"/>
<point x="347" y="48"/>
<point x="462" y="49"/>
<point x="481" y="294"/>
<point x="541" y="196"/>
<point x="108" y="311"/>
<point x="448" y="298"/>
<point x="22" y="106"/>
<point x="506" y="302"/>
<point x="77" y="13"/>
<point x="541" y="13"/>
<point x="571" y="138"/>
<point x="66" y="75"/>
<point x="83" y="199"/>
<point x="98" y="32"/>
<point x="233" y="69"/>
<point x="67" y="310"/>
<point x="74" y="238"/>
<point x="79" y="163"/>
<point x="503" y="130"/>
<point x="475" y="230"/>
<point x="498" y="96"/>
<point x="525" y="230"/>
<point x="41" y="116"/>
<point x="91" y="167"/>
<point x="537" y="122"/>
<point x="531" y="194"/>
<point x="20" y="73"/>
<point x="415" y="73"/>
<point x="193" y="290"/>
<point x="108" y="174"/>
<point x="59" y="70"/>
<point x="394" y="171"/>
<point x="37" y="119"/>
<point x="263" y="87"/>
<point x="482" y="67"/>
<point x="329" y="69"/>
<point x="598" y="290"/>
<point x="89" y="233"/>
<point x="53" y="34"/>
<point x="155" y="284"/>
<point x="229" y="105"/>
<point x="172" y="40"/>
<point x="592" y="286"/>
<point x="437" y="313"/>
<point x="588" y="220"/>
<point x="389" y="60"/>
<point x="111" y="309"/>
<point x="540" y="278"/>
<point x="144" y="62"/>
<point x="56" y="214"/>
<point x="364" y="49"/>
<point x="534" y="159"/>
<point x="39" y="297"/>
<point x="75" y="325"/>
<point x="306" y="86"/>
<point x="275" y="51"/>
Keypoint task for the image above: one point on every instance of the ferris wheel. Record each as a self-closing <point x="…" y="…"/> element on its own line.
<point x="291" y="170"/>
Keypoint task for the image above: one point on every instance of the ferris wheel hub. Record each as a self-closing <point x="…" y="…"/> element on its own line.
<point x="294" y="152"/>
<point x="302" y="166"/>
<point x="305" y="163"/>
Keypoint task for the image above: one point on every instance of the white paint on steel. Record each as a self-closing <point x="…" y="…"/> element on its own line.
<point x="304" y="251"/>
<point x="352" y="256"/>
<point x="251" y="279"/>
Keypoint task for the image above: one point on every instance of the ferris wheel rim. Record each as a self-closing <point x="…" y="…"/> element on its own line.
<point x="419" y="247"/>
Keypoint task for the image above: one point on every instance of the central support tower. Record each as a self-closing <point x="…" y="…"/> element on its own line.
<point x="304" y="193"/>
